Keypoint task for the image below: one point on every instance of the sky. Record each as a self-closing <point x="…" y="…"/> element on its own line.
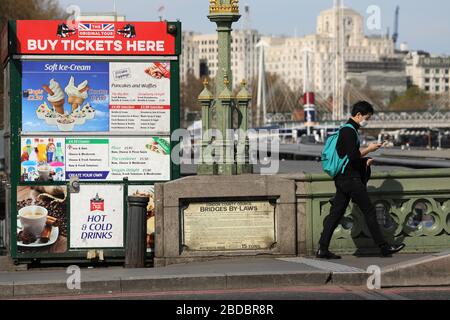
<point x="424" y="25"/>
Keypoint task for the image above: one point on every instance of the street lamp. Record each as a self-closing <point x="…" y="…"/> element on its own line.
<point x="224" y="13"/>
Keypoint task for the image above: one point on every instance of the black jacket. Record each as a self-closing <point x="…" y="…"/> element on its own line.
<point x="348" y="145"/>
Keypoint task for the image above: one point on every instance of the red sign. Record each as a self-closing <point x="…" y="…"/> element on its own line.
<point x="97" y="205"/>
<point x="94" y="38"/>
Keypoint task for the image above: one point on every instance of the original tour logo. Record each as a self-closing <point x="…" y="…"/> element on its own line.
<point x="96" y="30"/>
<point x="97" y="204"/>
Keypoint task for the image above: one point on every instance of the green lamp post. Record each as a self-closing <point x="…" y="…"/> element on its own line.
<point x="224" y="13"/>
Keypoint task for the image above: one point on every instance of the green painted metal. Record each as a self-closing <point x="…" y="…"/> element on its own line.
<point x="206" y="99"/>
<point x="224" y="15"/>
<point x="412" y="207"/>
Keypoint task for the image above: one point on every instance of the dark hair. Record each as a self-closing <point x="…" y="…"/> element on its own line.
<point x="362" y="107"/>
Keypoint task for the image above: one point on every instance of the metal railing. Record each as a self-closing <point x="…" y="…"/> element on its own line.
<point x="412" y="207"/>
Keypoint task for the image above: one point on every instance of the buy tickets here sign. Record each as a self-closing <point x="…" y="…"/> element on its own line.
<point x="101" y="38"/>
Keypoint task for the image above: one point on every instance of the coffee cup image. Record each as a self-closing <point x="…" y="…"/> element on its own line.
<point x="44" y="172"/>
<point x="33" y="219"/>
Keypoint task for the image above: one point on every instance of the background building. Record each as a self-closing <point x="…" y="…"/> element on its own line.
<point x="430" y="73"/>
<point x="243" y="54"/>
<point x="385" y="76"/>
<point x="190" y="59"/>
<point x="285" y="56"/>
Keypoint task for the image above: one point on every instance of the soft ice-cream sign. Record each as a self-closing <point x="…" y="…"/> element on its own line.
<point x="87" y="38"/>
<point x="65" y="96"/>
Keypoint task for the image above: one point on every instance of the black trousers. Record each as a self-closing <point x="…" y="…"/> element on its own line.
<point x="354" y="189"/>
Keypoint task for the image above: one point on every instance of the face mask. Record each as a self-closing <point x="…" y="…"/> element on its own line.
<point x="363" y="123"/>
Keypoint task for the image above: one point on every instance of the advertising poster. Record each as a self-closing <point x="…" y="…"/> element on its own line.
<point x="112" y="159"/>
<point x="140" y="97"/>
<point x="96" y="217"/>
<point x="147" y="191"/>
<point x="96" y="97"/>
<point x="42" y="219"/>
<point x="42" y="159"/>
<point x="65" y="96"/>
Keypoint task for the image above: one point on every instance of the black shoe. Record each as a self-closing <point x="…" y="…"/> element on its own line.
<point x="387" y="250"/>
<point x="326" y="254"/>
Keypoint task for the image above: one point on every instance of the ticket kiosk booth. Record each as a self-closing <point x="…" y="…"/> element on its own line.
<point x="89" y="112"/>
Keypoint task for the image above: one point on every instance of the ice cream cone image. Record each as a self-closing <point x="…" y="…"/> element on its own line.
<point x="55" y="96"/>
<point x="59" y="106"/>
<point x="77" y="94"/>
<point x="76" y="102"/>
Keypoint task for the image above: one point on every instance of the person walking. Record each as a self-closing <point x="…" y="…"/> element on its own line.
<point x="351" y="184"/>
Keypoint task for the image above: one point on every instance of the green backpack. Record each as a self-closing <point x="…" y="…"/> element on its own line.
<point x="332" y="164"/>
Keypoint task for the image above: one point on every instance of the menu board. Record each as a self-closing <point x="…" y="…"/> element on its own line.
<point x="140" y="97"/>
<point x="95" y="158"/>
<point x="113" y="159"/>
<point x="97" y="97"/>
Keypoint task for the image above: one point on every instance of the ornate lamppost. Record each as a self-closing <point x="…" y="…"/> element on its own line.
<point x="234" y="158"/>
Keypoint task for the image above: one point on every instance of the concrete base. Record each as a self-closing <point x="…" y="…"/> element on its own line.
<point x="171" y="195"/>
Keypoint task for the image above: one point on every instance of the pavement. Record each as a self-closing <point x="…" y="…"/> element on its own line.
<point x="402" y="270"/>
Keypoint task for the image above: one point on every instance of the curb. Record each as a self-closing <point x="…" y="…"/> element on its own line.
<point x="165" y="283"/>
<point x="406" y="274"/>
<point x="417" y="272"/>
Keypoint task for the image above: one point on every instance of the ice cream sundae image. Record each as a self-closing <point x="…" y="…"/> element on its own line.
<point x="79" y="116"/>
<point x="42" y="110"/>
<point x="51" y="117"/>
<point x="55" y="96"/>
<point x="66" y="122"/>
<point x="88" y="111"/>
<point x="77" y="94"/>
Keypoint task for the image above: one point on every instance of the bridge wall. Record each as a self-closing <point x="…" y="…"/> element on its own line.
<point x="411" y="207"/>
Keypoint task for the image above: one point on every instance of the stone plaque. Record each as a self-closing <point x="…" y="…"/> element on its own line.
<point x="229" y="225"/>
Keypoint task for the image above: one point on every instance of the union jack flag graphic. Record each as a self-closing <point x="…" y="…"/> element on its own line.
<point x="96" y="30"/>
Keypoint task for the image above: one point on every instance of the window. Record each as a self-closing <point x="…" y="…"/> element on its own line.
<point x="427" y="71"/>
<point x="446" y="89"/>
<point x="446" y="71"/>
<point x="427" y="80"/>
<point x="438" y="89"/>
<point x="427" y="88"/>
<point x="437" y="71"/>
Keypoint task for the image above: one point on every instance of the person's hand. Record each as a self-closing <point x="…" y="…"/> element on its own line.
<point x="374" y="147"/>
<point x="369" y="162"/>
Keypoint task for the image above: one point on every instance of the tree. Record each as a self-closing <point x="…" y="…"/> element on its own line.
<point x="414" y="99"/>
<point x="190" y="90"/>
<point x="26" y="10"/>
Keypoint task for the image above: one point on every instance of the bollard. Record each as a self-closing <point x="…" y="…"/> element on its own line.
<point x="136" y="246"/>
